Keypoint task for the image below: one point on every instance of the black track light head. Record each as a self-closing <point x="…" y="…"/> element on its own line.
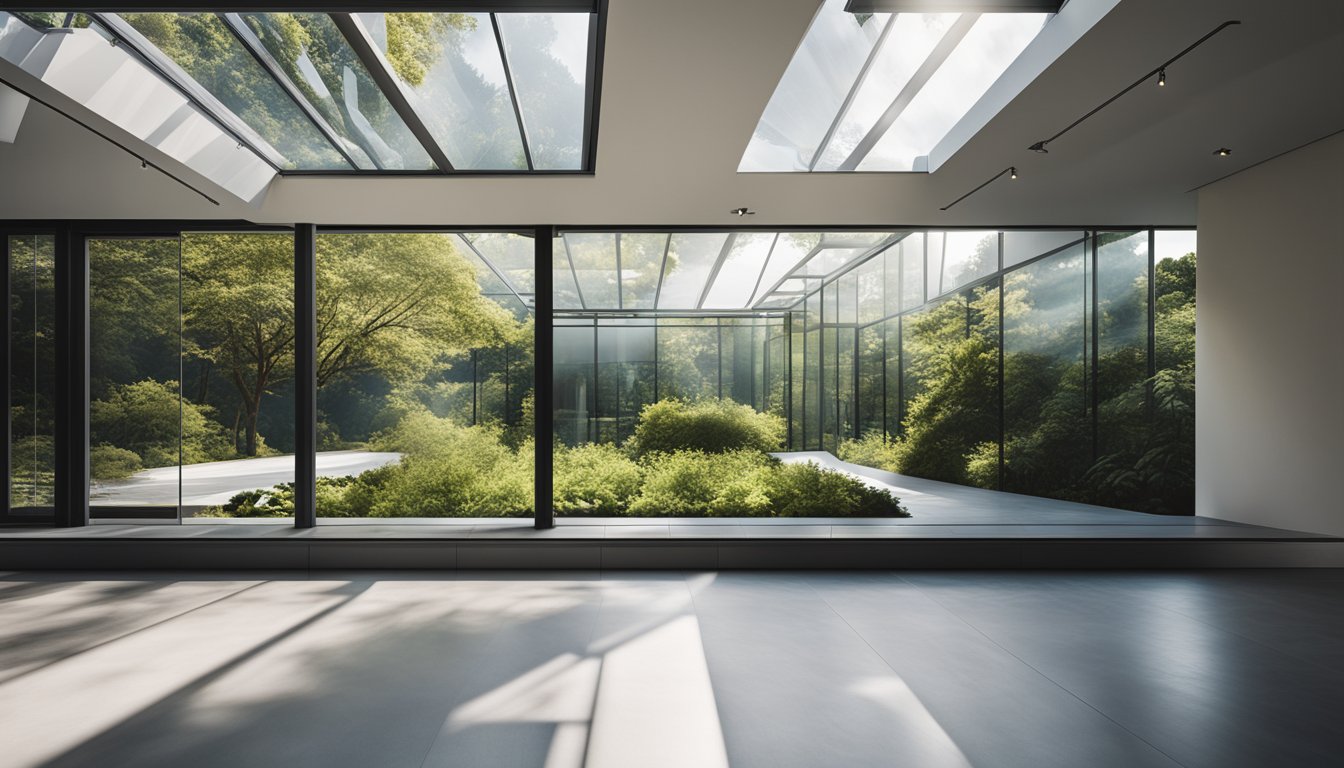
<point x="739" y="212"/>
<point x="1039" y="147"/>
<point x="1161" y="77"/>
<point x="1012" y="173"/>
<point x="1222" y="151"/>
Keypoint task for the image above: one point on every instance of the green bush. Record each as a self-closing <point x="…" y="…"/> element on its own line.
<point x="807" y="490"/>
<point x="594" y="479"/>
<point x="108" y="462"/>
<point x="872" y="450"/>
<point x="452" y="471"/>
<point x="712" y="426"/>
<point x="150" y="418"/>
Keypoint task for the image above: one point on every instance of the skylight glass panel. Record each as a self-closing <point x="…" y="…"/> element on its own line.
<point x="593" y="256"/>
<point x="992" y="44"/>
<point x="547" y="56"/>
<point x="691" y="257"/>
<point x="877" y="92"/>
<point x="789" y="251"/>
<point x="959" y="258"/>
<point x="202" y="46"/>
<point x="890" y="74"/>
<point x="737" y="277"/>
<point x="813" y="89"/>
<point x="566" y="292"/>
<point x="641" y="268"/>
<point x="313" y="53"/>
<point x="510" y="253"/>
<point x="451" y="63"/>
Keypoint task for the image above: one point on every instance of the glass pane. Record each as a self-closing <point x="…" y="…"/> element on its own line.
<point x="846" y="306"/>
<point x="689" y="261"/>
<point x="32" y="361"/>
<point x="641" y="268"/>
<point x="992" y="43"/>
<point x="951" y="414"/>
<point x="574" y="383"/>
<point x="911" y="40"/>
<point x="688" y="360"/>
<point x="812" y="89"/>
<point x="790" y="249"/>
<point x="811" y="391"/>
<point x="1022" y="246"/>
<point x="562" y="274"/>
<point x="423" y="383"/>
<point x="594" y="258"/>
<point x="968" y="256"/>
<point x="1122" y="371"/>
<point x="828" y="260"/>
<point x="451" y="63"/>
<point x="736" y="281"/>
<point x="625" y="378"/>
<point x="206" y="50"/>
<point x="912" y="272"/>
<point x="510" y="253"/>
<point x="316" y="57"/>
<point x="1172" y="432"/>
<point x="140" y="430"/>
<point x="548" y="56"/>
<point x="1047" y="430"/>
<point x="237" y="375"/>
<point x="872" y="288"/>
<point x="872" y="381"/>
<point x="894" y="393"/>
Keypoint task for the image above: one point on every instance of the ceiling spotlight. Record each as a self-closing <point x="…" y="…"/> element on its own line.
<point x="742" y="212"/>
<point x="1012" y="173"/>
<point x="1162" y="77"/>
<point x="1222" y="152"/>
<point x="1038" y="147"/>
<point x="143" y="163"/>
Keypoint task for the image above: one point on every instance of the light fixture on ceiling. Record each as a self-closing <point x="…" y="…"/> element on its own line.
<point x="1222" y="151"/>
<point x="1161" y="77"/>
<point x="1039" y="147"/>
<point x="739" y="212"/>
<point x="1012" y="173"/>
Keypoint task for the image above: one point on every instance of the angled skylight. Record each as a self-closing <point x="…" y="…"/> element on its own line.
<point x="683" y="271"/>
<point x="324" y="92"/>
<point x="877" y="92"/>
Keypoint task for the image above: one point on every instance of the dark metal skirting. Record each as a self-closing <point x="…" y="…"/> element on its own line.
<point x="698" y="554"/>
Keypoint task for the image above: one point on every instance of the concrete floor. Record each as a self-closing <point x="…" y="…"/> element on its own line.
<point x="1211" y="669"/>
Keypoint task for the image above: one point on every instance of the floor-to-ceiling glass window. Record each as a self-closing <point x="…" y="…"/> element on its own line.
<point x="32" y="367"/>
<point x="423" y="381"/>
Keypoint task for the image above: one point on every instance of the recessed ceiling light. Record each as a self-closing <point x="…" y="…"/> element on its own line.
<point x="742" y="212"/>
<point x="1222" y="151"/>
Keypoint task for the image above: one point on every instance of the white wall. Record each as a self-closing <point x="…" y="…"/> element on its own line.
<point x="1270" y="343"/>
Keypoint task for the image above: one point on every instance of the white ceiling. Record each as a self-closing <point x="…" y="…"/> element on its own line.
<point x="686" y="81"/>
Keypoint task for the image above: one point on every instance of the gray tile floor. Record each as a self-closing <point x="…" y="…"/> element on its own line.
<point x="1192" y="669"/>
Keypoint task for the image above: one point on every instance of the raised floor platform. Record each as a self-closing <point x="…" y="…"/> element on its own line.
<point x="951" y="526"/>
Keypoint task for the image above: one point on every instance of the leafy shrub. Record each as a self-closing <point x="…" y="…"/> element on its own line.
<point x="108" y="462"/>
<point x="872" y="450"/>
<point x="807" y="490"/>
<point x="753" y="484"/>
<point x="148" y="417"/>
<point x="594" y="479"/>
<point x="697" y="484"/>
<point x="452" y="471"/>
<point x="712" y="426"/>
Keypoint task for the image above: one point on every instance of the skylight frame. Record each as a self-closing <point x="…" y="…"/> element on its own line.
<point x="346" y="18"/>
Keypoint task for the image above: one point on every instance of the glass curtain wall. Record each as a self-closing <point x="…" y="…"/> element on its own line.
<point x="1055" y="363"/>
<point x="31" y="325"/>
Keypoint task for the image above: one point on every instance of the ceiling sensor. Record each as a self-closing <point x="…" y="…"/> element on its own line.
<point x="742" y="212"/>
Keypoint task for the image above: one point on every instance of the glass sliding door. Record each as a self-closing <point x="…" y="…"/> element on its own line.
<point x="32" y="365"/>
<point x="136" y="413"/>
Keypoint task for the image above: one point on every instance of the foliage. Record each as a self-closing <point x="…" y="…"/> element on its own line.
<point x="709" y="425"/>
<point x="147" y="418"/>
<point x="807" y="490"/>
<point x="108" y="462"/>
<point x="595" y="479"/>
